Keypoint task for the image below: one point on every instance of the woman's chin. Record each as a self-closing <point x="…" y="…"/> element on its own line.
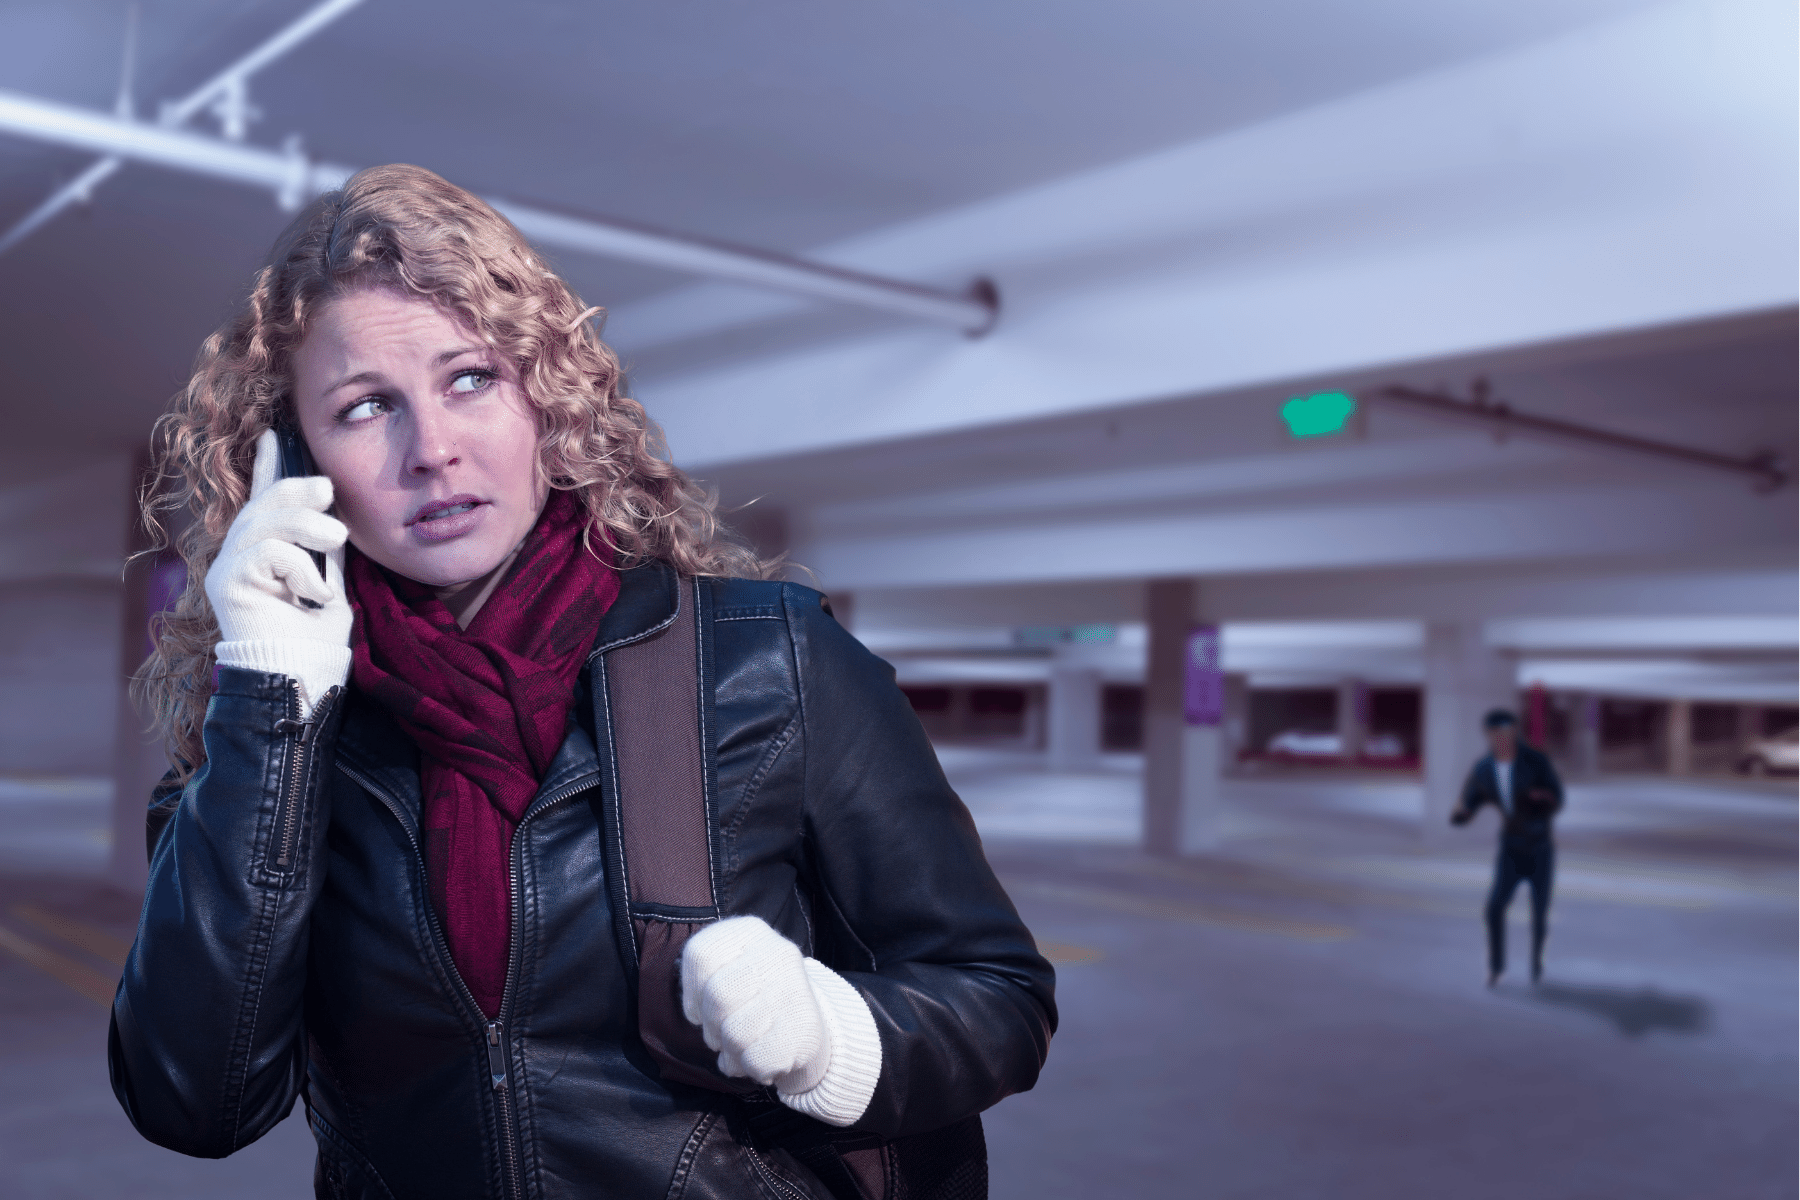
<point x="453" y="567"/>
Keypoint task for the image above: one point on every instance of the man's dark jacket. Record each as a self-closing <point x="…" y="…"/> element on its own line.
<point x="288" y="946"/>
<point x="1537" y="793"/>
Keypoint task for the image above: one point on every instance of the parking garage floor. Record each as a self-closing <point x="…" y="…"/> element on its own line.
<point x="1301" y="1014"/>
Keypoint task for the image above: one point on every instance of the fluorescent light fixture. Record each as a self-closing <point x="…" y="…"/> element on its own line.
<point x="1319" y="414"/>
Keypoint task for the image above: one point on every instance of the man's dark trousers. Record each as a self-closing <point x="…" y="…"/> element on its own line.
<point x="1528" y="858"/>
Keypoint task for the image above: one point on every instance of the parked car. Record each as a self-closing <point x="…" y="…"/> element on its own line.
<point x="1766" y="756"/>
<point x="1299" y="743"/>
<point x="1384" y="745"/>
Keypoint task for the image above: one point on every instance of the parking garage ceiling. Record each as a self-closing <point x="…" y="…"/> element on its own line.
<point x="784" y="125"/>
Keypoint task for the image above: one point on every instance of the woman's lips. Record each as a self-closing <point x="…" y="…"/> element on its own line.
<point x="451" y="519"/>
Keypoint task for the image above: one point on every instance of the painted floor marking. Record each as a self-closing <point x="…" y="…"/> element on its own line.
<point x="97" y="942"/>
<point x="1182" y="910"/>
<point x="82" y="978"/>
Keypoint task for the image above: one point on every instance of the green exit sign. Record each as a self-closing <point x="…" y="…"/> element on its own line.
<point x="1318" y="414"/>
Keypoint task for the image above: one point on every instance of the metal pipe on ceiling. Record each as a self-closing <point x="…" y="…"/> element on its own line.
<point x="287" y="173"/>
<point x="226" y="91"/>
<point x="1766" y="471"/>
<point x="294" y="178"/>
<point x="232" y="79"/>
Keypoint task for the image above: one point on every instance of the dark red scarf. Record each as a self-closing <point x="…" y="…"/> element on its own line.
<point x="488" y="707"/>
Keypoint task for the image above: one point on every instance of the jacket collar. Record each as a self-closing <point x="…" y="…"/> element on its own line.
<point x="649" y="597"/>
<point x="372" y="744"/>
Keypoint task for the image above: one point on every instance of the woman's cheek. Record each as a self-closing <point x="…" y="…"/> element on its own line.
<point x="350" y="507"/>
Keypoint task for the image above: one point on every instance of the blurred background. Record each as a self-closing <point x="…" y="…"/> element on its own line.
<point x="1210" y="410"/>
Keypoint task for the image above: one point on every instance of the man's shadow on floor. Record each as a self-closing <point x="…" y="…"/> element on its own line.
<point x="1634" y="1011"/>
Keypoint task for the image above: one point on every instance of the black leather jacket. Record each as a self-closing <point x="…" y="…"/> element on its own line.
<point x="1537" y="794"/>
<point x="287" y="946"/>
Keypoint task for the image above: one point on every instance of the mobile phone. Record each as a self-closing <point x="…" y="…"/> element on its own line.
<point x="296" y="460"/>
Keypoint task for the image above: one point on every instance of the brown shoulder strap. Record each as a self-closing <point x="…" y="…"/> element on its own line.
<point x="663" y="828"/>
<point x="663" y="833"/>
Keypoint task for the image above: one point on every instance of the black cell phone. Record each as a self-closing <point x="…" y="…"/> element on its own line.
<point x="296" y="460"/>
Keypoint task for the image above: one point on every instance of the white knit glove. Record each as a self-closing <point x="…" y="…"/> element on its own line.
<point x="262" y="573"/>
<point x="779" y="1018"/>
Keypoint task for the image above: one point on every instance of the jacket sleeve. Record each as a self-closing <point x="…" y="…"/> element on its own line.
<point x="206" y="1048"/>
<point x="963" y="1001"/>
<point x="1473" y="794"/>
<point x="1551" y="780"/>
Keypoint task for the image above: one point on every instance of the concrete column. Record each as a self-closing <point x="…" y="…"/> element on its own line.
<point x="1352" y="717"/>
<point x="1584" y="735"/>
<point x="843" y="607"/>
<point x="766" y="528"/>
<point x="1464" y="677"/>
<point x="138" y="757"/>
<point x="1749" y="724"/>
<point x="1183" y="764"/>
<point x="1678" y="744"/>
<point x="1036" y="702"/>
<point x="1074" y="718"/>
<point x="1237" y="716"/>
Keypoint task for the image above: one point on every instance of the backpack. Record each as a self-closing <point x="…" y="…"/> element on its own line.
<point x="659" y="810"/>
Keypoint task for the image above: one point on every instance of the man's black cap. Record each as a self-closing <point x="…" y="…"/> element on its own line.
<point x="1498" y="718"/>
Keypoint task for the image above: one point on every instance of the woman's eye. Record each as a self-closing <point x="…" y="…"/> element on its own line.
<point x="362" y="410"/>
<point x="471" y="381"/>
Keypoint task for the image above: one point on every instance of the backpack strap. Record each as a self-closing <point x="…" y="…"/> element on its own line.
<point x="661" y="826"/>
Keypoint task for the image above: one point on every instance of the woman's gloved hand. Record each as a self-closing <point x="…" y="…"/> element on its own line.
<point x="263" y="571"/>
<point x="780" y="1018"/>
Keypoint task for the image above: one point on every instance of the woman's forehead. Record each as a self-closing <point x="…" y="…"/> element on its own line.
<point x="386" y="323"/>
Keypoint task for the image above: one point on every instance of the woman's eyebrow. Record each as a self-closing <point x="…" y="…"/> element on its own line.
<point x="378" y="377"/>
<point x="359" y="377"/>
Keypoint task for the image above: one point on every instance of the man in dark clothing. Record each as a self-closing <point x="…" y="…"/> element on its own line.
<point x="1518" y="780"/>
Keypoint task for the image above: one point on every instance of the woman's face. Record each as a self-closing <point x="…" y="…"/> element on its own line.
<point x="425" y="433"/>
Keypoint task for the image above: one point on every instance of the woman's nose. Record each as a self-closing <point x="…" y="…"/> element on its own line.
<point x="433" y="446"/>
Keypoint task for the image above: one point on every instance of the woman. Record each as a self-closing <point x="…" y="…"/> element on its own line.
<point x="381" y="879"/>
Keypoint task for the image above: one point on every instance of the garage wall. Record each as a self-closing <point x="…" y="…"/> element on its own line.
<point x="59" y="676"/>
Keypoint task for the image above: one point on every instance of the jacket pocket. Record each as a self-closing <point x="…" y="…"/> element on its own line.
<point x="717" y="1165"/>
<point x="341" y="1172"/>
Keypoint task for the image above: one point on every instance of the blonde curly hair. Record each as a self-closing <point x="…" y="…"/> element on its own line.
<point x="406" y="228"/>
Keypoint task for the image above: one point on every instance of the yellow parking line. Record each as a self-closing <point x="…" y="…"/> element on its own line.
<point x="1337" y="893"/>
<point x="1063" y="954"/>
<point x="97" y="942"/>
<point x="84" y="979"/>
<point x="1182" y="910"/>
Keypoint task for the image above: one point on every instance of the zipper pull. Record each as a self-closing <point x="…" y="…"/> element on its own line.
<point x="289" y="725"/>
<point x="496" y="1056"/>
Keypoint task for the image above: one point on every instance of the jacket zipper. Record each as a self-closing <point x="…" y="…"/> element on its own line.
<point x="499" y="1050"/>
<point x="499" y="1044"/>
<point x="767" y="1173"/>
<point x="288" y="803"/>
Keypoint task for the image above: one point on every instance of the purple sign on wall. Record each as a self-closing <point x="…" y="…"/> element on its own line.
<point x="166" y="581"/>
<point x="1203" y="683"/>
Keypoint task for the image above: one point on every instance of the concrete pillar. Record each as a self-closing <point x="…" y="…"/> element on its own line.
<point x="1584" y="735"/>
<point x="1183" y="764"/>
<point x="766" y="528"/>
<point x="1678" y="744"/>
<point x="1352" y="717"/>
<point x="1074" y="718"/>
<point x="1036" y="702"/>
<point x="1237" y="716"/>
<point x="1749" y="724"/>
<point x="138" y="757"/>
<point x="1464" y="678"/>
<point x="843" y="607"/>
